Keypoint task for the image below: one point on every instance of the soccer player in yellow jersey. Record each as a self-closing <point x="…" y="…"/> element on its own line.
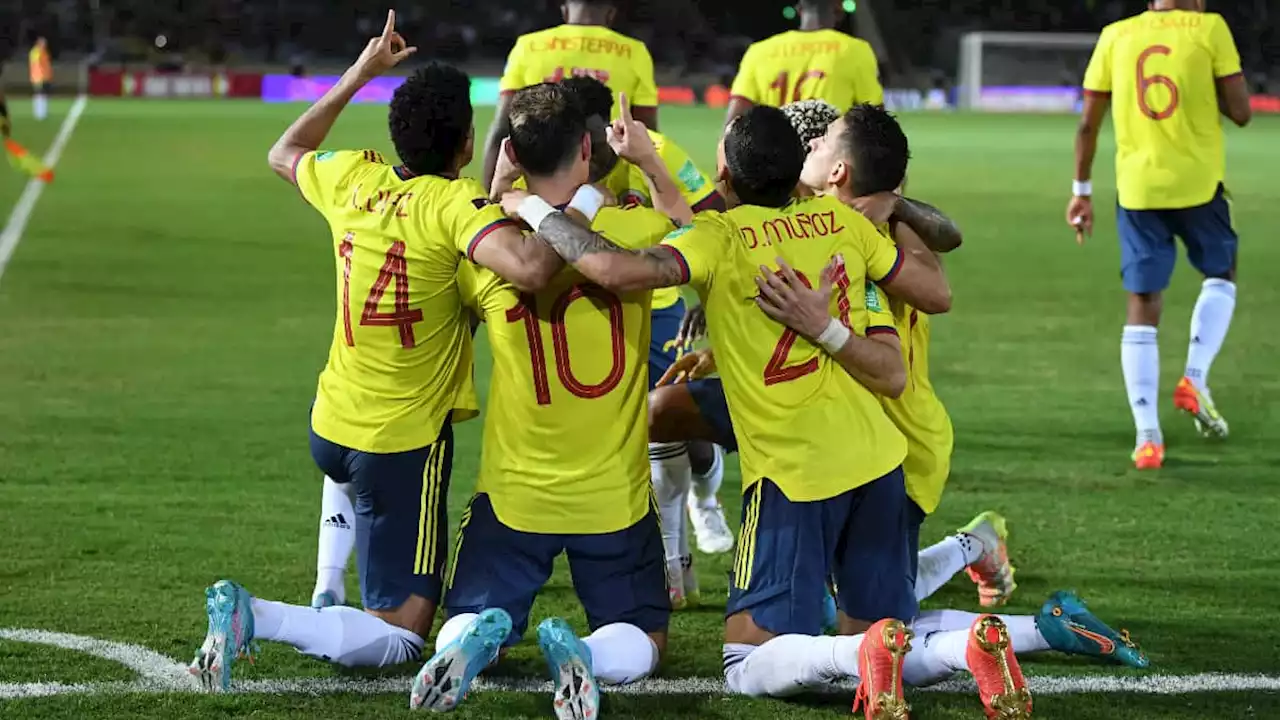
<point x="821" y="461"/>
<point x="41" y="67"/>
<point x="584" y="45"/>
<point x="569" y="363"/>
<point x="1167" y="74"/>
<point x="399" y="368"/>
<point x="816" y="61"/>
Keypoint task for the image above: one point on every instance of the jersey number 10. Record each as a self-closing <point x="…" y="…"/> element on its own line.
<point x="526" y="311"/>
<point x="782" y="83"/>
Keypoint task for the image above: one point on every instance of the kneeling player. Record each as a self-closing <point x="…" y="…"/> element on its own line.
<point x="563" y="468"/>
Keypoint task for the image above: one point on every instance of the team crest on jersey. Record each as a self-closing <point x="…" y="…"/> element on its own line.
<point x="324" y="155"/>
<point x="678" y="232"/>
<point x="690" y="177"/>
<point x="873" y="299"/>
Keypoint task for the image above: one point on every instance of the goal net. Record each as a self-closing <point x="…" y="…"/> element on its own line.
<point x="1022" y="72"/>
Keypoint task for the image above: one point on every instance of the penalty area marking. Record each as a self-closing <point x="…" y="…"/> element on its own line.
<point x="17" y="222"/>
<point x="160" y="674"/>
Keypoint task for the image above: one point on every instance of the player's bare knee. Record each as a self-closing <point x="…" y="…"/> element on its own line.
<point x="741" y="629"/>
<point x="1145" y="308"/>
<point x="846" y="625"/>
<point x="664" y="411"/>
<point x="659" y="639"/>
<point x="416" y="614"/>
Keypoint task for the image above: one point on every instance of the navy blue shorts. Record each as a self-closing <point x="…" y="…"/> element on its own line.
<point x="708" y="395"/>
<point x="663" y="351"/>
<point x="787" y="551"/>
<point x="619" y="576"/>
<point x="1147" y="251"/>
<point x="402" y="524"/>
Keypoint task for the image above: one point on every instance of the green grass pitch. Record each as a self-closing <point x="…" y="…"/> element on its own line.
<point x="164" y="318"/>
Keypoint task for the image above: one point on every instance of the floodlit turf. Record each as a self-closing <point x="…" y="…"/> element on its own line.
<point x="163" y="321"/>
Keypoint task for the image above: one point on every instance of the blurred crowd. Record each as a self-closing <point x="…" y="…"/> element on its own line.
<point x="707" y="37"/>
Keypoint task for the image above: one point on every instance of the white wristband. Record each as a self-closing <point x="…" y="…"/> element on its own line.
<point x="1082" y="188"/>
<point x="533" y="210"/>
<point x="834" y="337"/>
<point x="587" y="201"/>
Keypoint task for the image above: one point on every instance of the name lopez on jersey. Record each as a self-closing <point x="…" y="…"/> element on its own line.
<point x="800" y="226"/>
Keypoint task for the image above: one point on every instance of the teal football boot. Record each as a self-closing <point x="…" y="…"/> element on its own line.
<point x="444" y="680"/>
<point x="1069" y="627"/>
<point x="576" y="693"/>
<point x="229" y="637"/>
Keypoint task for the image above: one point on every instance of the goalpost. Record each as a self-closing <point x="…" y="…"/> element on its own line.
<point x="1022" y="71"/>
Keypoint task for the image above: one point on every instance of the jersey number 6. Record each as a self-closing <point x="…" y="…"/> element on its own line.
<point x="526" y="311"/>
<point x="1145" y="82"/>
<point x="394" y="269"/>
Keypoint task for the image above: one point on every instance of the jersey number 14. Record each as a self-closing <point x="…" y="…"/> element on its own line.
<point x="394" y="270"/>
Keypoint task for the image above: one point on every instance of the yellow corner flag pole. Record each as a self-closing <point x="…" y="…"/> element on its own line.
<point x="26" y="162"/>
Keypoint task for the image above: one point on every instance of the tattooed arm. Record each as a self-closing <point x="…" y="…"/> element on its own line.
<point x="609" y="266"/>
<point x="939" y="232"/>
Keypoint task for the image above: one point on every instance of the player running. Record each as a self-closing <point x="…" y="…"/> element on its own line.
<point x="399" y="369"/>
<point x="825" y="502"/>
<point x="1167" y="74"/>
<point x="541" y="492"/>
<point x="41" y="69"/>
<point x="816" y="61"/>
<point x="583" y="45"/>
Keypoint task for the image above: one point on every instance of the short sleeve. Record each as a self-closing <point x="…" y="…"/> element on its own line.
<point x="744" y="84"/>
<point x="634" y="228"/>
<point x="694" y="185"/>
<point x="879" y="316"/>
<point x="699" y="247"/>
<point x="1226" y="58"/>
<point x="646" y="91"/>
<point x="1097" y="77"/>
<point x="319" y="174"/>
<point x="513" y="72"/>
<point x="476" y="286"/>
<point x="867" y="67"/>
<point x="883" y="257"/>
<point x="470" y="217"/>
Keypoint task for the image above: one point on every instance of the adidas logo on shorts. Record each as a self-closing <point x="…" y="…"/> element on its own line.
<point x="337" y="521"/>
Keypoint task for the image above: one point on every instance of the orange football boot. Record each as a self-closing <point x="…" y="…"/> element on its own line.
<point x="884" y="648"/>
<point x="1198" y="404"/>
<point x="1148" y="456"/>
<point x="991" y="660"/>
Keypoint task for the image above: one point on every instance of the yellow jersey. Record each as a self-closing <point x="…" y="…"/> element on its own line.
<point x="807" y="65"/>
<point x="799" y="418"/>
<point x="40" y="65"/>
<point x="566" y="432"/>
<point x="623" y="63"/>
<point x="401" y="357"/>
<point x="1160" y="69"/>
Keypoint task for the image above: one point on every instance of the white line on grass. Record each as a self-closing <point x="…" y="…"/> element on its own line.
<point x="17" y="222"/>
<point x="159" y="674"/>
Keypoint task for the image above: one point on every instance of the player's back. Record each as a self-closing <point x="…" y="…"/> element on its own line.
<point x="401" y="355"/>
<point x="800" y="420"/>
<point x="1160" y="69"/>
<point x="809" y="64"/>
<point x="566" y="428"/>
<point x="621" y="62"/>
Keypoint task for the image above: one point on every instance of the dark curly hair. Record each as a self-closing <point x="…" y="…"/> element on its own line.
<point x="547" y="125"/>
<point x="430" y="118"/>
<point x="595" y="97"/>
<point x="875" y="143"/>
<point x="764" y="157"/>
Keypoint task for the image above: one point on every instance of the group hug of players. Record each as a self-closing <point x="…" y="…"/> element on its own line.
<point x="817" y="279"/>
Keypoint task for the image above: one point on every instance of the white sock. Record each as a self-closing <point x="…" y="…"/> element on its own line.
<point x="337" y="538"/>
<point x="669" y="464"/>
<point x="935" y="657"/>
<point x="940" y="562"/>
<point x="338" y="634"/>
<point x="706" y="486"/>
<point x="621" y="653"/>
<point x="1023" y="633"/>
<point x="452" y="628"/>
<point x="790" y="664"/>
<point x="40" y="106"/>
<point x="1209" y="323"/>
<point x="1140" y="360"/>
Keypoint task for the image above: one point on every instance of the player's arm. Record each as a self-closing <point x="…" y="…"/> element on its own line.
<point x="629" y="139"/>
<point x="499" y="129"/>
<point x="742" y="95"/>
<point x="915" y="275"/>
<point x="645" y="97"/>
<point x="875" y="360"/>
<point x="939" y="232"/>
<point x="516" y="256"/>
<point x="1233" y="91"/>
<point x="309" y="131"/>
<point x="1097" y="98"/>
<point x="1233" y="99"/>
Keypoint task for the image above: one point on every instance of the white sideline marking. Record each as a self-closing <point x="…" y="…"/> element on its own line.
<point x="17" y="222"/>
<point x="160" y="674"/>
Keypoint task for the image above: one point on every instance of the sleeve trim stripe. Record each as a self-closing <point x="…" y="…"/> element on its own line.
<point x="1232" y="76"/>
<point x="684" y="264"/>
<point x="293" y="172"/>
<point x="706" y="202"/>
<point x="893" y="271"/>
<point x="484" y="232"/>
<point x="1097" y="93"/>
<point x="741" y="97"/>
<point x="882" y="330"/>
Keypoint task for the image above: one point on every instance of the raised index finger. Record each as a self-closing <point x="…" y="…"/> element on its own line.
<point x="391" y="25"/>
<point x="624" y="108"/>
